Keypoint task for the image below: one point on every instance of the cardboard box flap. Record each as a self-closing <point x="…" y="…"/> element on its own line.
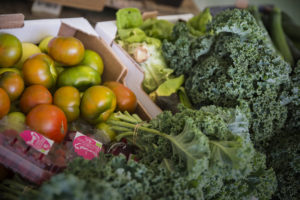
<point x="11" y="21"/>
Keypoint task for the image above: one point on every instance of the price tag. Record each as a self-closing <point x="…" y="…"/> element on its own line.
<point x="37" y="141"/>
<point x="86" y="147"/>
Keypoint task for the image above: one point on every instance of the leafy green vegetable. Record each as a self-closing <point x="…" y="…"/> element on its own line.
<point x="113" y="177"/>
<point x="155" y="68"/>
<point x="197" y="24"/>
<point x="128" y="18"/>
<point x="211" y="147"/>
<point x="168" y="87"/>
<point x="157" y="28"/>
<point x="236" y="65"/>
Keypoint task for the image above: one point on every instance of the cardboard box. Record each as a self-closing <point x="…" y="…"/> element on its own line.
<point x="96" y="5"/>
<point x="107" y="31"/>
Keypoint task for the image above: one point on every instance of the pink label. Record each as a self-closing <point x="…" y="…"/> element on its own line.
<point x="86" y="147"/>
<point x="37" y="141"/>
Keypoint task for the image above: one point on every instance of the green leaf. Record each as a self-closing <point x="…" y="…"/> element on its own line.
<point x="197" y="24"/>
<point x="190" y="145"/>
<point x="128" y="18"/>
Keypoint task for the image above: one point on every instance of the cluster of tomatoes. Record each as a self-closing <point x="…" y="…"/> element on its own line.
<point x="56" y="83"/>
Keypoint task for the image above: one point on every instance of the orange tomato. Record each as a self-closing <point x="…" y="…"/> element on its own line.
<point x="48" y="120"/>
<point x="39" y="69"/>
<point x="12" y="83"/>
<point x="66" y="50"/>
<point x="126" y="99"/>
<point x="4" y="103"/>
<point x="33" y="96"/>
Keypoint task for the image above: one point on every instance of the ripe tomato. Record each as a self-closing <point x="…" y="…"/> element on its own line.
<point x="97" y="103"/>
<point x="12" y="83"/>
<point x="49" y="120"/>
<point x="4" y="103"/>
<point x="10" y="50"/>
<point x="67" y="98"/>
<point x="66" y="50"/>
<point x="39" y="69"/>
<point x="126" y="99"/>
<point x="33" y="96"/>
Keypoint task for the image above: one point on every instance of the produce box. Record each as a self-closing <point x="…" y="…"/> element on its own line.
<point x="14" y="153"/>
<point x="107" y="31"/>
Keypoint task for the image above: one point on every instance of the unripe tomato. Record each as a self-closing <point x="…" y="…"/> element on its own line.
<point x="93" y="59"/>
<point x="4" y="103"/>
<point x="10" y="50"/>
<point x="66" y="50"/>
<point x="33" y="96"/>
<point x="39" y="69"/>
<point x="12" y="83"/>
<point x="67" y="98"/>
<point x="126" y="99"/>
<point x="48" y="120"/>
<point x="97" y="103"/>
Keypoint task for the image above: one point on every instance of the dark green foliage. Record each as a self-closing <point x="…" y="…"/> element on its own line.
<point x="284" y="157"/>
<point x="237" y="66"/>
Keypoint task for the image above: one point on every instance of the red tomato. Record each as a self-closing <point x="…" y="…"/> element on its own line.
<point x="4" y="103"/>
<point x="33" y="96"/>
<point x="48" y="120"/>
<point x="126" y="99"/>
<point x="66" y="50"/>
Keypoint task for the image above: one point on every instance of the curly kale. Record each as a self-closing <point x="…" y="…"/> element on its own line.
<point x="235" y="66"/>
<point x="284" y="158"/>
<point x="113" y="177"/>
<point x="210" y="147"/>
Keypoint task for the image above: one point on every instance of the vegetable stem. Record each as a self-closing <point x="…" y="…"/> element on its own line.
<point x="278" y="36"/>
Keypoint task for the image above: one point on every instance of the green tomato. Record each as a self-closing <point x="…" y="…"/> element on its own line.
<point x="10" y="50"/>
<point x="80" y="77"/>
<point x="93" y="59"/>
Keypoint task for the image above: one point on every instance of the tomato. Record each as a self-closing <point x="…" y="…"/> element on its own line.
<point x="15" y="121"/>
<point x="33" y="96"/>
<point x="93" y="59"/>
<point x="10" y="69"/>
<point x="39" y="69"/>
<point x="43" y="45"/>
<point x="48" y="120"/>
<point x="12" y="83"/>
<point x="66" y="50"/>
<point x="67" y="98"/>
<point x="126" y="99"/>
<point x="81" y="77"/>
<point x="10" y="50"/>
<point x="4" y="103"/>
<point x="97" y="103"/>
<point x="106" y="131"/>
<point x="28" y="50"/>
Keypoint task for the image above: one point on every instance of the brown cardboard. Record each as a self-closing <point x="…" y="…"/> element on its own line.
<point x="96" y="5"/>
<point x="11" y="21"/>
